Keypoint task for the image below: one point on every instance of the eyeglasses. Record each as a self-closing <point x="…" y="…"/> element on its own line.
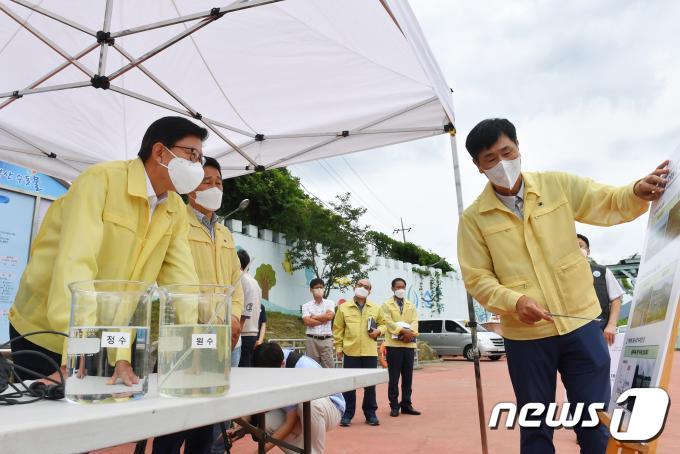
<point x="194" y="154"/>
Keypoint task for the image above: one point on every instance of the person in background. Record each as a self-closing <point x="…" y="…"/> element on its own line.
<point x="608" y="291"/>
<point x="262" y="326"/>
<point x="518" y="258"/>
<point x="286" y="423"/>
<point x="357" y="325"/>
<point x="121" y="220"/>
<point x="317" y="315"/>
<point x="216" y="262"/>
<point x="401" y="319"/>
<point x="252" y="295"/>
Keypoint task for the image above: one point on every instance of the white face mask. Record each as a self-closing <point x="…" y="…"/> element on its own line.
<point x="210" y="198"/>
<point x="505" y="173"/>
<point x="584" y="252"/>
<point x="401" y="293"/>
<point x="317" y="292"/>
<point x="184" y="174"/>
<point x="360" y="292"/>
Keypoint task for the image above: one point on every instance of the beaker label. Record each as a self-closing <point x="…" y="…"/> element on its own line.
<point x="204" y="341"/>
<point x="83" y="345"/>
<point x="115" y="339"/>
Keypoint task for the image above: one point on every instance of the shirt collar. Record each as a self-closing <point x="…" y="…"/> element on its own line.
<point x="203" y="219"/>
<point x="150" y="193"/>
<point x="509" y="200"/>
<point x="489" y="200"/>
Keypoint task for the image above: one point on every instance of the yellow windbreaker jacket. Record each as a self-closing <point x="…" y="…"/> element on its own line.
<point x="100" y="230"/>
<point x="503" y="257"/>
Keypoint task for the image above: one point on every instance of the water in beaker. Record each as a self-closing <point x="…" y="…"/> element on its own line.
<point x="108" y="341"/>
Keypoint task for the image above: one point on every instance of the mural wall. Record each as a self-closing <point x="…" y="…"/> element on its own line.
<point x="283" y="290"/>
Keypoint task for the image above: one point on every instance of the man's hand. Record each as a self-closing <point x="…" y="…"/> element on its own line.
<point x="124" y="373"/>
<point x="530" y="312"/>
<point x="652" y="187"/>
<point x="610" y="334"/>
<point x="374" y="334"/>
<point x="235" y="331"/>
<point x="339" y="356"/>
<point x="407" y="335"/>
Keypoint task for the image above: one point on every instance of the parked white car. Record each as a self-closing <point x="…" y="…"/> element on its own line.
<point x="453" y="338"/>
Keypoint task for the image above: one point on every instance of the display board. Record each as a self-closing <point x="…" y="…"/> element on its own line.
<point x="652" y="324"/>
<point x="25" y="196"/>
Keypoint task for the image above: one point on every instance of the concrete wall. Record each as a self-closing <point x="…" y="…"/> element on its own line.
<point x="288" y="290"/>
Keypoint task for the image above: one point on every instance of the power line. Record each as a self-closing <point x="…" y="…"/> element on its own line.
<point x="339" y="181"/>
<point x="388" y="210"/>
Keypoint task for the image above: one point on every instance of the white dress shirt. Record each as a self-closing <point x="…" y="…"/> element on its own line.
<point x="154" y="200"/>
<point x="312" y="309"/>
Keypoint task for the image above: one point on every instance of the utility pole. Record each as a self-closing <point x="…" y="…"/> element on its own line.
<point x="402" y="230"/>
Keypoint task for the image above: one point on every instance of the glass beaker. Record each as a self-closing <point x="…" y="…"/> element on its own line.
<point x="108" y="341"/>
<point x="194" y="343"/>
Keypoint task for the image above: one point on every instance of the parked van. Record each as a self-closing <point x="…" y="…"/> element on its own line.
<point x="453" y="338"/>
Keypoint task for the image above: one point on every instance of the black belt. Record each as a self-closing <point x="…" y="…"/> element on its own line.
<point x="318" y="337"/>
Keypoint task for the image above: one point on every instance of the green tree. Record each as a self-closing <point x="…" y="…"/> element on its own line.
<point x="331" y="243"/>
<point x="266" y="277"/>
<point x="275" y="197"/>
<point x="436" y="293"/>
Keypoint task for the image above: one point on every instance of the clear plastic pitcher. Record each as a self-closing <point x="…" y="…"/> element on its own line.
<point x="194" y="344"/>
<point x="108" y="341"/>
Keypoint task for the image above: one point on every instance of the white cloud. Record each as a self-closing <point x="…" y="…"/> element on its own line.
<point x="593" y="88"/>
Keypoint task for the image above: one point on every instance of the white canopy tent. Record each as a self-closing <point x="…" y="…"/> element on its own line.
<point x="276" y="82"/>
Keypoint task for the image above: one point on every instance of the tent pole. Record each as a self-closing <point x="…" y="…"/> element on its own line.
<point x="104" y="49"/>
<point x="54" y="16"/>
<point x="31" y="143"/>
<point x="470" y="304"/>
<point x="56" y="70"/>
<point x="235" y="6"/>
<point x="45" y="40"/>
<point x="221" y="135"/>
<point x="433" y="129"/>
<point x="175" y="39"/>
<point x="226" y="152"/>
<point x="32" y="91"/>
<point x="177" y="98"/>
<point x="140" y="97"/>
<point x="350" y="132"/>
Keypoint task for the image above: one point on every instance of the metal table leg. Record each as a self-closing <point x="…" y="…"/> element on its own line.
<point x="307" y="427"/>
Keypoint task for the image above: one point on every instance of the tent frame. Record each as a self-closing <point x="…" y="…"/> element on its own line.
<point x="105" y="38"/>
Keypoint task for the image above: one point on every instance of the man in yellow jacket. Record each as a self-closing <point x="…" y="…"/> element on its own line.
<point x="518" y="257"/>
<point x="119" y="220"/>
<point x="401" y="318"/>
<point x="357" y="325"/>
<point x="214" y="254"/>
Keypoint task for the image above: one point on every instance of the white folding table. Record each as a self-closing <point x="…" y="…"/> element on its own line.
<point x="64" y="427"/>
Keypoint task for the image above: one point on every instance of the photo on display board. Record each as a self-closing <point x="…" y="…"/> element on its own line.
<point x="651" y="301"/>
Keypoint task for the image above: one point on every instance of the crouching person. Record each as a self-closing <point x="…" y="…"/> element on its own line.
<point x="286" y="423"/>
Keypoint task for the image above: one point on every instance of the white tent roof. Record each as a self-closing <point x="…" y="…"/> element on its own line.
<point x="277" y="82"/>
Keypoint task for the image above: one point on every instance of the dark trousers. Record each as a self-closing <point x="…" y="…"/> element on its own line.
<point x="400" y="363"/>
<point x="582" y="359"/>
<point x="36" y="363"/>
<point x="369" y="405"/>
<point x="197" y="441"/>
<point x="247" y="347"/>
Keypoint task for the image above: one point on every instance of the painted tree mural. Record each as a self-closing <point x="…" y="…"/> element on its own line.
<point x="266" y="277"/>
